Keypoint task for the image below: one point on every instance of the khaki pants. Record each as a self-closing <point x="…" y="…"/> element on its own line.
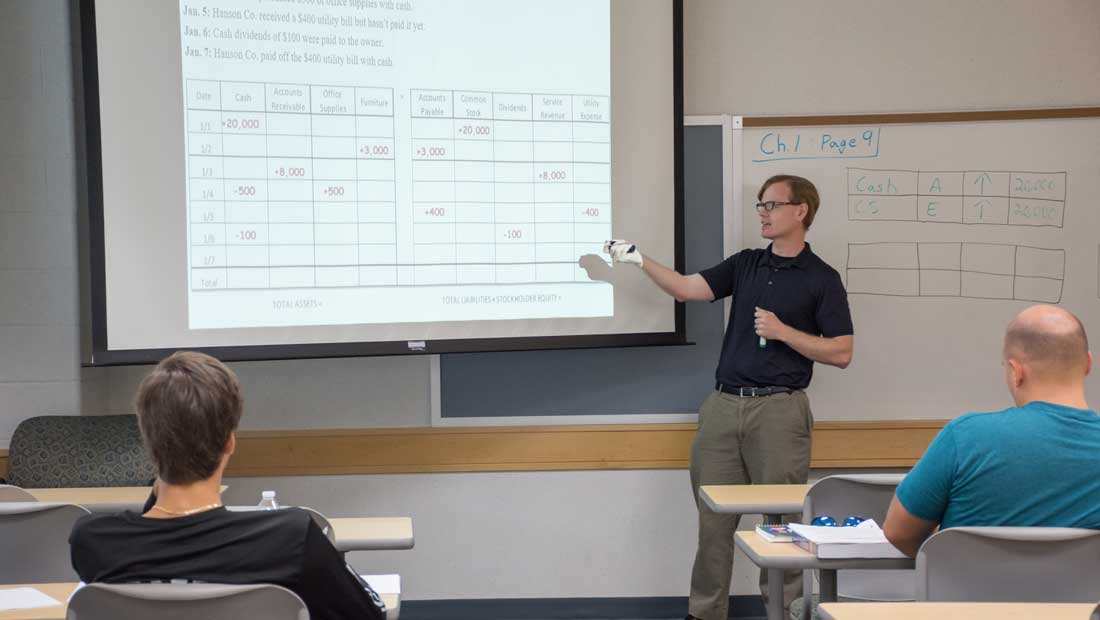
<point x="762" y="440"/>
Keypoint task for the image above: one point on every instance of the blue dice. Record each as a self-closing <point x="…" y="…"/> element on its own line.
<point x="824" y="520"/>
<point x="853" y="521"/>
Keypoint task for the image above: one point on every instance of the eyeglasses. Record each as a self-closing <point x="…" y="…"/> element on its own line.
<point x="828" y="521"/>
<point x="772" y="204"/>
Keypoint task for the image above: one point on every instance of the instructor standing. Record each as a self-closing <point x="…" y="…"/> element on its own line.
<point x="790" y="310"/>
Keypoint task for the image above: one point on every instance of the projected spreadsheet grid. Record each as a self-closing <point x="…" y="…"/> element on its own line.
<point x="294" y="186"/>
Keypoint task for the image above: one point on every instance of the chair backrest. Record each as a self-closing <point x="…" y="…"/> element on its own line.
<point x="318" y="518"/>
<point x="867" y="496"/>
<point x="9" y="493"/>
<point x="185" y="601"/>
<point x="1017" y="564"/>
<point x="78" y="451"/>
<point x="34" y="541"/>
<point x="322" y="522"/>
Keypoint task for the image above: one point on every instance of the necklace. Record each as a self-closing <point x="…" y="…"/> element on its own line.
<point x="184" y="513"/>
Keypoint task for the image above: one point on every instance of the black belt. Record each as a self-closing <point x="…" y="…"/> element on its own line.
<point x="751" y="392"/>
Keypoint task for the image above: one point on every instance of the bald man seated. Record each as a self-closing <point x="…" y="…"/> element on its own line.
<point x="1036" y="464"/>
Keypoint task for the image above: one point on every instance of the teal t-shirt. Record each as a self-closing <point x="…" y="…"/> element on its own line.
<point x="1036" y="465"/>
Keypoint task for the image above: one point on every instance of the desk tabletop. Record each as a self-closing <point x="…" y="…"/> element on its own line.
<point x="56" y="591"/>
<point x="768" y="499"/>
<point x="352" y="533"/>
<point x="789" y="555"/>
<point x="956" y="611"/>
<point x="372" y="533"/>
<point x="86" y="496"/>
<point x="112" y="498"/>
<point x="62" y="592"/>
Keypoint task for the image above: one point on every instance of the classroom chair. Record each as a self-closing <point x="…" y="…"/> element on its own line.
<point x="34" y="541"/>
<point x="9" y="493"/>
<point x="185" y="601"/>
<point x="863" y="495"/>
<point x="78" y="451"/>
<point x="322" y="522"/>
<point x="318" y="518"/>
<point x="1013" y="564"/>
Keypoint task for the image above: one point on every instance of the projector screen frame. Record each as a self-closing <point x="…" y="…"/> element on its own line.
<point x="101" y="355"/>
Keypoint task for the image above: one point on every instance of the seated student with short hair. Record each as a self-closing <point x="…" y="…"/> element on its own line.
<point x="1037" y="464"/>
<point x="188" y="409"/>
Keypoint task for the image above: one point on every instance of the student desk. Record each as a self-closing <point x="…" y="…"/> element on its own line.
<point x="352" y="533"/>
<point x="372" y="533"/>
<point x="62" y="591"/>
<point x="955" y="611"/>
<point x="365" y="533"/>
<point x="770" y="500"/>
<point x="98" y="499"/>
<point x="56" y="591"/>
<point x="776" y="557"/>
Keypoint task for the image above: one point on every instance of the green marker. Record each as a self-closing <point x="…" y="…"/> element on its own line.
<point x="763" y="340"/>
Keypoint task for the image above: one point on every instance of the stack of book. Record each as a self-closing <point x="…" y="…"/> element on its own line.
<point x="865" y="540"/>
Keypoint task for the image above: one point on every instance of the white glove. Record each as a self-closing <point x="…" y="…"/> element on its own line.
<point x="623" y="252"/>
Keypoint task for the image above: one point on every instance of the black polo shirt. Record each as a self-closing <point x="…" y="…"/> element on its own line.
<point x="804" y="292"/>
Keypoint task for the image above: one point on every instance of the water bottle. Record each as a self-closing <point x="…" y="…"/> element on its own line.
<point x="268" y="502"/>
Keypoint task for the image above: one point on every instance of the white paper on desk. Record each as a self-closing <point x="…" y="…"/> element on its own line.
<point x="866" y="532"/>
<point x="25" y="598"/>
<point x="384" y="584"/>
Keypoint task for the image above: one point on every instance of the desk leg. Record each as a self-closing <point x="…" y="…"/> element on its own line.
<point x="828" y="585"/>
<point x="775" y="580"/>
<point x="775" y="594"/>
<point x="807" y="594"/>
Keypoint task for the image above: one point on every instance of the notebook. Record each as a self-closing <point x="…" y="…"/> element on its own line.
<point x="774" y="533"/>
<point x="24" y="598"/>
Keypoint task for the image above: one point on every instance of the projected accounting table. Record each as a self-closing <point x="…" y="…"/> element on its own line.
<point x="296" y="186"/>
<point x="508" y="187"/>
<point x="290" y="185"/>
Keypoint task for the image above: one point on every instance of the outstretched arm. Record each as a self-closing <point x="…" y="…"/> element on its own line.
<point x="684" y="288"/>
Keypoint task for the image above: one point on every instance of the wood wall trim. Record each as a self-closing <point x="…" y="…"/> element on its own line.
<point x="547" y="448"/>
<point x="921" y="117"/>
<point x="467" y="449"/>
<point x="895" y="443"/>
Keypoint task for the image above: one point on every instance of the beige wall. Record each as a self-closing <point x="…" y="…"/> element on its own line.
<point x="40" y="318"/>
<point x="789" y="57"/>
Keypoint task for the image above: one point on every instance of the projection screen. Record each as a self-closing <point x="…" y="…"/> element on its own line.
<point x="307" y="178"/>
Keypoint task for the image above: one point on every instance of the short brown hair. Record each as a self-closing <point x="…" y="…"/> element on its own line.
<point x="802" y="191"/>
<point x="187" y="408"/>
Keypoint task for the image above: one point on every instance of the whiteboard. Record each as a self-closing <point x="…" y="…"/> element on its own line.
<point x="942" y="232"/>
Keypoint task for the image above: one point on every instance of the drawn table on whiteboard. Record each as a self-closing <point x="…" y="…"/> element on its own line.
<point x="972" y="270"/>
<point x="957" y="197"/>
